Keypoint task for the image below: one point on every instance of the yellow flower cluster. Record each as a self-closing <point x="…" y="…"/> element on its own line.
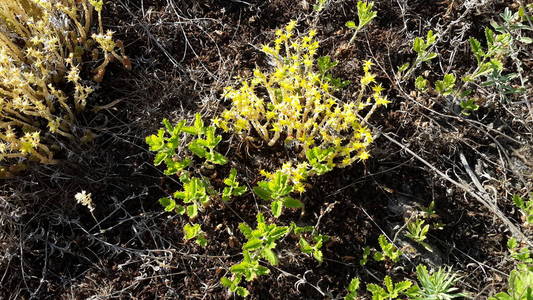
<point x="297" y="174"/>
<point x="42" y="42"/>
<point x="294" y="103"/>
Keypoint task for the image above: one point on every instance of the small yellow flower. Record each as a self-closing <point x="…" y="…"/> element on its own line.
<point x="381" y="101"/>
<point x="363" y="155"/>
<point x="367" y="65"/>
<point x="368" y="79"/>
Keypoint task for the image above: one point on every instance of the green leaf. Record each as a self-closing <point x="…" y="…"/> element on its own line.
<point x="305" y="247"/>
<point x="325" y="64"/>
<point x="431" y="56"/>
<point x="218" y="159"/>
<point x="351" y="24"/>
<point x="525" y="40"/>
<point x="279" y="232"/>
<point x="277" y="208"/>
<point x="198" y="123"/>
<point x="354" y="285"/>
<point x="192" y="211"/>
<point x="238" y="191"/>
<point x="226" y="194"/>
<point x="402" y="286"/>
<point x="197" y="149"/>
<point x="226" y="282"/>
<point x="191" y="231"/>
<point x="167" y="125"/>
<point x="263" y="191"/>
<point x="378" y="256"/>
<point x="445" y="86"/>
<point x="243" y="292"/>
<point x="512" y="243"/>
<point x="431" y="38"/>
<point x="180" y="209"/>
<point x="519" y="202"/>
<point x="292" y="203"/>
<point x="168" y="203"/>
<point x="253" y="244"/>
<point x="489" y="35"/>
<point x="403" y="67"/>
<point x="317" y="254"/>
<point x="388" y="284"/>
<point x="175" y="167"/>
<point x="421" y="83"/>
<point x="245" y="230"/>
<point x="159" y="158"/>
<point x="418" y="45"/>
<point x="271" y="256"/>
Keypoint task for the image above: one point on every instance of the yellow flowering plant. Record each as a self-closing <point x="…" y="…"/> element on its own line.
<point x="294" y="103"/>
<point x="42" y="43"/>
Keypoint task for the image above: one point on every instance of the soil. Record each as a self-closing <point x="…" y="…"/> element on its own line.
<point x="184" y="53"/>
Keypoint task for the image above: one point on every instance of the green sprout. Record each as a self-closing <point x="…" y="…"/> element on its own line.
<point x="232" y="189"/>
<point x="315" y="249"/>
<point x="520" y="284"/>
<point x="437" y="285"/>
<point x="526" y="206"/>
<point x="352" y="289"/>
<point x="195" y="232"/>
<point x="388" y="250"/>
<point x="391" y="291"/>
<point x="446" y="85"/>
<point x="320" y="159"/>
<point x="260" y="245"/>
<point x="421" y="47"/>
<point x="166" y="146"/>
<point x="194" y="194"/>
<point x="417" y="231"/>
<point x="468" y="106"/>
<point x="277" y="190"/>
<point x="205" y="147"/>
<point x="365" y="14"/>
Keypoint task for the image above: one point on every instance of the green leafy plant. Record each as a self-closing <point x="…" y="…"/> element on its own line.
<point x="423" y="54"/>
<point x="194" y="196"/>
<point x="313" y="249"/>
<point x="445" y="86"/>
<point x="260" y="245"/>
<point x="325" y="64"/>
<point x="489" y="61"/>
<point x="365" y="14"/>
<point x="421" y="83"/>
<point x="468" y="106"/>
<point x="195" y="232"/>
<point x="206" y="142"/>
<point x="388" y="250"/>
<point x="391" y="291"/>
<point x="352" y="289"/>
<point x="232" y="189"/>
<point x="521" y="254"/>
<point x="165" y="143"/>
<point x="320" y="159"/>
<point x="168" y="139"/>
<point x="417" y="231"/>
<point x="366" y="254"/>
<point x="277" y="190"/>
<point x="436" y="285"/>
<point x="520" y="284"/>
<point x="526" y="206"/>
